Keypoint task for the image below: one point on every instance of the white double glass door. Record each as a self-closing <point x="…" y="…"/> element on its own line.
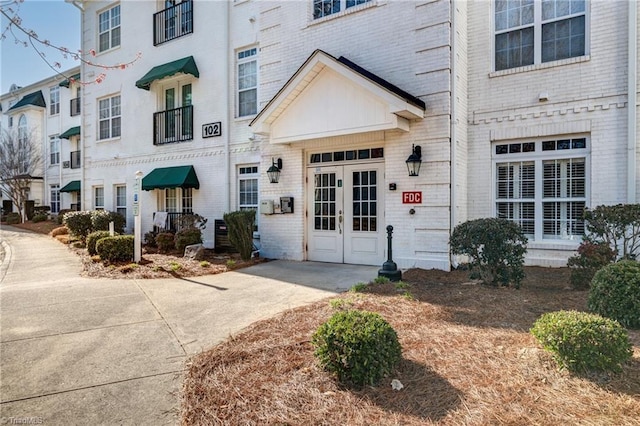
<point x="345" y="219"/>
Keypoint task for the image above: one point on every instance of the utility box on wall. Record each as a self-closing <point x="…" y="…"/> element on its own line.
<point x="286" y="204"/>
<point x="266" y="207"/>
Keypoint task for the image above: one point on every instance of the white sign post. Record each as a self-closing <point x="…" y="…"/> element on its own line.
<point x="137" y="220"/>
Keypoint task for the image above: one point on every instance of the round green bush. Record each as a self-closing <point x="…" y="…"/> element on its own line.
<point x="112" y="249"/>
<point x="186" y="237"/>
<point x="615" y="293"/>
<point x="582" y="342"/>
<point x="360" y="347"/>
<point x="39" y="218"/>
<point x="165" y="241"/>
<point x="92" y="240"/>
<point x="78" y="223"/>
<point x="13" y="218"/>
<point x="100" y="220"/>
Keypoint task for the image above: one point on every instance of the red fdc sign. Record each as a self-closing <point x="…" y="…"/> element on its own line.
<point x="412" y="197"/>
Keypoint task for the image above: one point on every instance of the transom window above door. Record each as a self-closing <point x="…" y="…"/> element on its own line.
<point x="350" y="155"/>
<point x="322" y="8"/>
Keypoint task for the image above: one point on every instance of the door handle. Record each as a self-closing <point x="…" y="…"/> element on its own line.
<point x="340" y="221"/>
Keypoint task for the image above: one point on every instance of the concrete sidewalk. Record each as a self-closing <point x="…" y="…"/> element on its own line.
<point x="77" y="350"/>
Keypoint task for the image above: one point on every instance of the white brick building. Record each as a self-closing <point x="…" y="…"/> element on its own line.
<point x="522" y="109"/>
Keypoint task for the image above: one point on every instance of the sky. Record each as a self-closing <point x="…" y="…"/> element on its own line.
<point x="53" y="20"/>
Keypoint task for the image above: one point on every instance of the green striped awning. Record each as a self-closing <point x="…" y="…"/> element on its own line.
<point x="73" y="186"/>
<point x="66" y="83"/>
<point x="171" y="177"/>
<point x="74" y="131"/>
<point x="185" y="65"/>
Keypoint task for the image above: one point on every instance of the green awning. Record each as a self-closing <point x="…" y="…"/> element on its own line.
<point x="185" y="65"/>
<point x="73" y="186"/>
<point x="171" y="177"/>
<point x="34" y="98"/>
<point x="74" y="131"/>
<point x="67" y="82"/>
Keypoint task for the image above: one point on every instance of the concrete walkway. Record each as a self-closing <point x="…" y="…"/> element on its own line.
<point x="77" y="350"/>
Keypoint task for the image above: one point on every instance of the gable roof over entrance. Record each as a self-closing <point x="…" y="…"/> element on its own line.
<point x="330" y="97"/>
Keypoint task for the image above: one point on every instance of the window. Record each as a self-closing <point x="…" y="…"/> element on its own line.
<point x="248" y="188"/>
<point x="248" y="82"/>
<point x="176" y="200"/>
<point x="23" y="142"/>
<point x="536" y="31"/>
<point x="109" y="29"/>
<point x="542" y="186"/>
<point x="54" y="100"/>
<point x="109" y="115"/>
<point x="54" y="150"/>
<point x="121" y="200"/>
<point x="55" y="198"/>
<point x="322" y="8"/>
<point x="98" y="198"/>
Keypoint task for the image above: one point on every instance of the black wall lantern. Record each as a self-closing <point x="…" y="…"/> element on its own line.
<point x="414" y="161"/>
<point x="274" y="170"/>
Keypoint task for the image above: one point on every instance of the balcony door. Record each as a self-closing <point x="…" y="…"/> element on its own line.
<point x="178" y="120"/>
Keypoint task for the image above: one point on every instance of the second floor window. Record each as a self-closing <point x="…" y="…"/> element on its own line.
<point x="322" y="8"/>
<point x="54" y="150"/>
<point x="54" y="100"/>
<point x="531" y="32"/>
<point x="248" y="82"/>
<point x="109" y="29"/>
<point x="109" y="116"/>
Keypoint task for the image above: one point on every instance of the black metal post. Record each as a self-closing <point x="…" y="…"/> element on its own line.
<point x="389" y="268"/>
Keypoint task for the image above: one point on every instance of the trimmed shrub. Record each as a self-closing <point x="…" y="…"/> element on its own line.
<point x="78" y="223"/>
<point x="60" y="230"/>
<point x="590" y="258"/>
<point x="165" y="241"/>
<point x="186" y="237"/>
<point x="61" y="214"/>
<point x="13" y="218"/>
<point x="117" y="248"/>
<point x="100" y="221"/>
<point x="93" y="238"/>
<point x="359" y="347"/>
<point x="582" y="342"/>
<point x="150" y="239"/>
<point x="39" y="218"/>
<point x="240" y="224"/>
<point x="496" y="248"/>
<point x="615" y="293"/>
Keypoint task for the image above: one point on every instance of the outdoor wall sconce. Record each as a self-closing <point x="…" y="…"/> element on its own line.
<point x="414" y="161"/>
<point x="274" y="170"/>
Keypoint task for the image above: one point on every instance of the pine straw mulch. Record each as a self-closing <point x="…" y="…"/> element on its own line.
<point x="468" y="358"/>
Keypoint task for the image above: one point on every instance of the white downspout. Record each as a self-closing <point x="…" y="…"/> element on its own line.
<point x="632" y="103"/>
<point x="453" y="150"/>
<point x="228" y="63"/>
<point x="83" y="161"/>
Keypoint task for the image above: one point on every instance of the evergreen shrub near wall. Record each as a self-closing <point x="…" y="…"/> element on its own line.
<point x="582" y="342"/>
<point x="186" y="237"/>
<point x="240" y="231"/>
<point x="496" y="249"/>
<point x="615" y="293"/>
<point x="92" y="240"/>
<point x="117" y="248"/>
<point x="100" y="220"/>
<point x="165" y="242"/>
<point x="78" y="223"/>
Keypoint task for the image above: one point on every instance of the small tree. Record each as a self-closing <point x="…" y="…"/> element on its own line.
<point x="20" y="162"/>
<point x="496" y="248"/>
<point x="618" y="226"/>
<point x="240" y="224"/>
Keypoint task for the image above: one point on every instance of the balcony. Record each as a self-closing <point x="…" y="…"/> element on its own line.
<point x="173" y="22"/>
<point x="75" y="159"/>
<point x="173" y="222"/>
<point x="174" y="125"/>
<point x="75" y="107"/>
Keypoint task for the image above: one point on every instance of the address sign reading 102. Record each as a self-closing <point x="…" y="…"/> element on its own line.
<point x="212" y="129"/>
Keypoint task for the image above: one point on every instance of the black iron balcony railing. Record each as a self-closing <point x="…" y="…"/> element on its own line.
<point x="173" y="222"/>
<point x="174" y="125"/>
<point x="75" y="107"/>
<point x="75" y="159"/>
<point x="173" y="22"/>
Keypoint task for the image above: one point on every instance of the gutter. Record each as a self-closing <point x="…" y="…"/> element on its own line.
<point x="227" y="143"/>
<point x="83" y="158"/>
<point x="632" y="104"/>
<point x="452" y="133"/>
